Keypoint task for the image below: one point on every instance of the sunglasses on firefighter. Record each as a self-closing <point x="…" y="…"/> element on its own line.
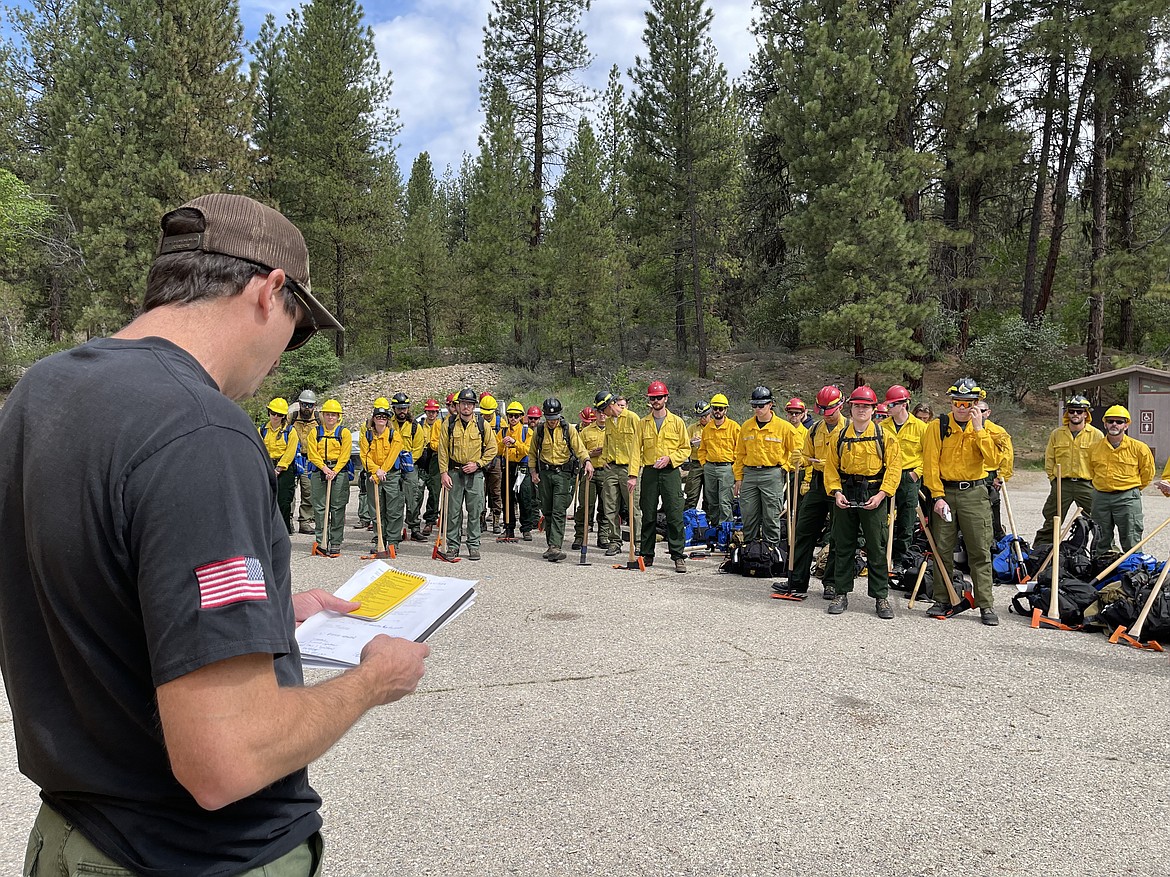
<point x="962" y="404"/>
<point x="761" y="404"/>
<point x="1120" y="421"/>
<point x="655" y="398"/>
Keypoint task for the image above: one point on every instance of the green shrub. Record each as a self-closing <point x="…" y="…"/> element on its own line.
<point x="1017" y="358"/>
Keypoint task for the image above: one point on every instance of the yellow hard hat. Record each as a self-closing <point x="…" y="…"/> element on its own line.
<point x="1118" y="411"/>
<point x="718" y="401"/>
<point x="382" y="402"/>
<point x="279" y="406"/>
<point x="488" y="404"/>
<point x="515" y="408"/>
<point x="332" y="406"/>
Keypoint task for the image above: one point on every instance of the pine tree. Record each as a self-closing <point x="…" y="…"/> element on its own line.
<point x="426" y="263"/>
<point x="682" y="156"/>
<point x="859" y="257"/>
<point x="325" y="136"/>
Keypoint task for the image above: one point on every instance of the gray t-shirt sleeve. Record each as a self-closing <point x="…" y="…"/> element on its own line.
<point x="211" y="561"/>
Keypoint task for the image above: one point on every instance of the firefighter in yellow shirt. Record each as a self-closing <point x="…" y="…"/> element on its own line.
<point x="513" y="444"/>
<point x="956" y="452"/>
<point x="381" y="446"/>
<point x="557" y="453"/>
<point x="592" y="434"/>
<point x="429" y="465"/>
<point x="1122" y="468"/>
<point x="414" y="440"/>
<point x="332" y="469"/>
<point x="795" y="412"/>
<point x="661" y="448"/>
<point x="763" y="454"/>
<point x="814" y="511"/>
<point x="1069" y="446"/>
<point x="862" y="473"/>
<point x="280" y="440"/>
<point x="618" y="449"/>
<point x="694" y="476"/>
<point x="717" y="453"/>
<point x="909" y="430"/>
<point x="467" y="447"/>
<point x="995" y="478"/>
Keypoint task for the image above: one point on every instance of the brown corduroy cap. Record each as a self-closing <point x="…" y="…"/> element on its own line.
<point x="235" y="225"/>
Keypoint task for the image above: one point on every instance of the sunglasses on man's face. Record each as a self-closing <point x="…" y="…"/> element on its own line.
<point x="303" y="331"/>
<point x="761" y="404"/>
<point x="962" y="405"/>
<point x="1076" y="412"/>
<point x="718" y="409"/>
<point x="1114" y="421"/>
<point x="513" y="416"/>
<point x="656" y="398"/>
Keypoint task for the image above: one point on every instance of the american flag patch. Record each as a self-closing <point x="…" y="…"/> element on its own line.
<point x="230" y="581"/>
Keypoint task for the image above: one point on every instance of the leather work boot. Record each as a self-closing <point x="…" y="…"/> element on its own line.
<point x="938" y="610"/>
<point x="680" y="565"/>
<point x="426" y="530"/>
<point x="884" y="609"/>
<point x="988" y="617"/>
<point x="473" y="554"/>
<point x="526" y="535"/>
<point x="840" y="604"/>
<point x="495" y="523"/>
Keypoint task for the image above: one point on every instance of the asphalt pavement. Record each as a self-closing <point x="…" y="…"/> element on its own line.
<point x="587" y="720"/>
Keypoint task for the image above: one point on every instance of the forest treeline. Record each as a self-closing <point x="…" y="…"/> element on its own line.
<point x="894" y="178"/>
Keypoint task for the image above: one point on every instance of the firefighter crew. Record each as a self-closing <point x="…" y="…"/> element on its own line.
<point x="280" y="440"/>
<point x="513" y="444"/>
<point x="592" y="434"/>
<point x="329" y="452"/>
<point x="618" y="456"/>
<point x="466" y="448"/>
<point x="305" y="424"/>
<point x="1069" y="446"/>
<point x="717" y="452"/>
<point x="995" y="478"/>
<point x="956" y="452"/>
<point x="429" y="465"/>
<point x="795" y="412"/>
<point x="815" y="508"/>
<point x="694" y="475"/>
<point x="862" y="471"/>
<point x="661" y="448"/>
<point x="763" y="454"/>
<point x="381" y="444"/>
<point x="414" y="440"/>
<point x="909" y="430"/>
<point x="1122" y="468"/>
<point x="557" y="452"/>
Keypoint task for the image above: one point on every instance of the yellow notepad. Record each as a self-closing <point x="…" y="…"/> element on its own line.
<point x="384" y="593"/>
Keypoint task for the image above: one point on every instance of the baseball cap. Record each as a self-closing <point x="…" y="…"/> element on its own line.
<point x="235" y="225"/>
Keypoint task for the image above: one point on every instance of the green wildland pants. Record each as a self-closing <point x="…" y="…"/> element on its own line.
<point x="664" y="484"/>
<point x="971" y="514"/>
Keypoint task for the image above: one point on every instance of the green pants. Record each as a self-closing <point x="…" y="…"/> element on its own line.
<point x="57" y="849"/>
<point x="389" y="503"/>
<point x="466" y="493"/>
<point x="971" y="514"/>
<point x="1080" y="491"/>
<point x="365" y="510"/>
<point x="615" y="499"/>
<point x="696" y="486"/>
<point x="761" y="502"/>
<point x="411" y="499"/>
<point x="433" y="484"/>
<point x="905" y="515"/>
<point x="338" y="498"/>
<point x="580" y="534"/>
<point x="556" y="489"/>
<point x="529" y="507"/>
<point x="1120" y="511"/>
<point x="848" y="524"/>
<point x="305" y="513"/>
<point x="664" y="485"/>
<point x="718" y="487"/>
<point x="811" y="511"/>
<point x="493" y="478"/>
<point x="286" y="488"/>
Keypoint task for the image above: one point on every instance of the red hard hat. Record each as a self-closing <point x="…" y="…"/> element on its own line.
<point x="484" y="393"/>
<point x="864" y="395"/>
<point x="588" y="415"/>
<point x="534" y="411"/>
<point x="882" y="409"/>
<point x="450" y="399"/>
<point x="432" y="405"/>
<point x="794" y="404"/>
<point x="828" y="399"/>
<point x="897" y="393"/>
<point x="657" y="388"/>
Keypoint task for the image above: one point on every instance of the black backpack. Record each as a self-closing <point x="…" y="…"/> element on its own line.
<point x="1135" y="590"/>
<point x="1074" y="598"/>
<point x="756" y="560"/>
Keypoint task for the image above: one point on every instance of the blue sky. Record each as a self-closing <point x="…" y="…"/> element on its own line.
<point x="431" y="48"/>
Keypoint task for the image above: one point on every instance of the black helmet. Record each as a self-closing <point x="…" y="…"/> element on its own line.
<point x="467" y="395"/>
<point x="551" y="407"/>
<point x="702" y="407"/>
<point x="602" y="400"/>
<point x="761" y="394"/>
<point x="965" y="388"/>
<point x="401" y="400"/>
<point x="1077" y="401"/>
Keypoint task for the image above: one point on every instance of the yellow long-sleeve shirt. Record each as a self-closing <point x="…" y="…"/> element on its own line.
<point x="413" y="436"/>
<point x="593" y="437"/>
<point x="550" y="436"/>
<point x="816" y="447"/>
<point x="329" y="450"/>
<point x="462" y="443"/>
<point x="798" y="452"/>
<point x="1007" y="453"/>
<point x="380" y="451"/>
<point x="965" y="455"/>
<point x="859" y="456"/>
<point x="910" y="442"/>
<point x="432" y="431"/>
<point x="718" y="441"/>
<point x="519" y="433"/>
<point x="695" y="433"/>
<point x="275" y="442"/>
<point x="1129" y="465"/>
<point x="764" y="444"/>
<point x="671" y="441"/>
<point x="1071" y="451"/>
<point x="621" y="433"/>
